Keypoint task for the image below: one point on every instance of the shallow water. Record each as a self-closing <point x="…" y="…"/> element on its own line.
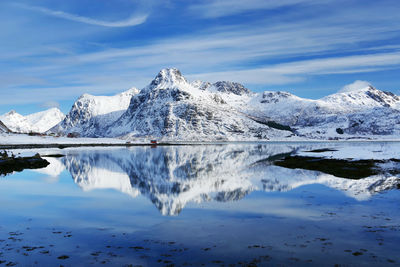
<point x="193" y="205"/>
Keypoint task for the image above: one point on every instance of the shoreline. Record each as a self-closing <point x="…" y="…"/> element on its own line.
<point x="63" y="145"/>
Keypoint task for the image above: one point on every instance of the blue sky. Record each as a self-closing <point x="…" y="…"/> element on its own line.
<point x="51" y="51"/>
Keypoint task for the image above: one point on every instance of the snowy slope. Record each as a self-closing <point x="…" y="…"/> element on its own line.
<point x="90" y="114"/>
<point x="16" y="122"/>
<point x="44" y="120"/>
<point x="171" y="108"/>
<point x="3" y="128"/>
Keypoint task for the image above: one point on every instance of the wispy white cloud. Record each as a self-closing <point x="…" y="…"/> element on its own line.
<point x="329" y="40"/>
<point x="222" y="8"/>
<point x="275" y="74"/>
<point x="14" y="79"/>
<point x="226" y="47"/>
<point x="131" y="21"/>
<point x="354" y="86"/>
<point x="50" y="104"/>
<point x="296" y="71"/>
<point x="222" y="52"/>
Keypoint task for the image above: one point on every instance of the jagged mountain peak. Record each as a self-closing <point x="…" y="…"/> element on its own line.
<point x="231" y="87"/>
<point x="11" y="112"/>
<point x="168" y="78"/>
<point x="277" y="96"/>
<point x="222" y="86"/>
<point x="201" y="85"/>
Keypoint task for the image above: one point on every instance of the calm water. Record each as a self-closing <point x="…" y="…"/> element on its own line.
<point x="193" y="205"/>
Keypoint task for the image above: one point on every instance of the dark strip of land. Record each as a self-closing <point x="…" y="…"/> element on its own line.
<point x="321" y="150"/>
<point x="10" y="164"/>
<point x="345" y="168"/>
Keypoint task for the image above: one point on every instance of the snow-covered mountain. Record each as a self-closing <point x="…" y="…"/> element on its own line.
<point x="361" y="112"/>
<point x="44" y="120"/>
<point x="171" y="108"/>
<point x="290" y="109"/>
<point x="90" y="114"/>
<point x="16" y="122"/>
<point x="37" y="122"/>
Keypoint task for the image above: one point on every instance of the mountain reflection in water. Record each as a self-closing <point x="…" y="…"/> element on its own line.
<point x="172" y="176"/>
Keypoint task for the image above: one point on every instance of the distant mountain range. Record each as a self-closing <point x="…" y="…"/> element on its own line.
<point x="172" y="108"/>
<point x="38" y="122"/>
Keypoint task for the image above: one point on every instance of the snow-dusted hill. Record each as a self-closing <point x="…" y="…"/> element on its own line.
<point x="37" y="122"/>
<point x="90" y="114"/>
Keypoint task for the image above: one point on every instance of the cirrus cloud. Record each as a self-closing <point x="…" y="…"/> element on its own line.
<point x="131" y="21"/>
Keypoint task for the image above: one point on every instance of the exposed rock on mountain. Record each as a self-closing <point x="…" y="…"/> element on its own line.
<point x="231" y="87"/>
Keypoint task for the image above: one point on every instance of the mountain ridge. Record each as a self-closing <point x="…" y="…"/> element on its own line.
<point x="172" y="108"/>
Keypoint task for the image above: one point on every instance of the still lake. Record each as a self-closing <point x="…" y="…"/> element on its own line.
<point x="212" y="205"/>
